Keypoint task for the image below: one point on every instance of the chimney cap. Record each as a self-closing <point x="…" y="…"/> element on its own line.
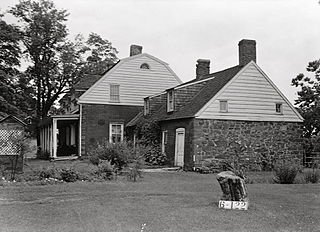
<point x="135" y="49"/>
<point x="202" y="68"/>
<point x="247" y="41"/>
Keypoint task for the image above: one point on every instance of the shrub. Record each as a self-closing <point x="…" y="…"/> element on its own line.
<point x="134" y="171"/>
<point x="47" y="173"/>
<point x="105" y="170"/>
<point x="154" y="155"/>
<point x="285" y="171"/>
<point x="44" y="155"/>
<point x="94" y="160"/>
<point x="69" y="175"/>
<point x="312" y="176"/>
<point x="117" y="153"/>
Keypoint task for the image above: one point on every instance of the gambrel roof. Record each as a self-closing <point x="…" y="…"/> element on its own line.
<point x="133" y="81"/>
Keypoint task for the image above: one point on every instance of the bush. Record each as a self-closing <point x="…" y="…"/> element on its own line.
<point x="44" y="155"/>
<point x="47" y="173"/>
<point x="118" y="153"/>
<point x="105" y="170"/>
<point x="312" y="176"/>
<point x="286" y="171"/>
<point x="134" y="171"/>
<point x="69" y="175"/>
<point x="154" y="155"/>
<point x="94" y="160"/>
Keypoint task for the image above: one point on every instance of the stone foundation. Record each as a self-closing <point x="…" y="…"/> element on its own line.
<point x="263" y="142"/>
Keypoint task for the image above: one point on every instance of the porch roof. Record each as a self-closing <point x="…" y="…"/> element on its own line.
<point x="47" y="121"/>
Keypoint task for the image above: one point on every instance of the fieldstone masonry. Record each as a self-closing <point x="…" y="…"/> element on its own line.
<point x="264" y="142"/>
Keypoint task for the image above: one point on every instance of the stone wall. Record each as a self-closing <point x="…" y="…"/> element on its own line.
<point x="262" y="141"/>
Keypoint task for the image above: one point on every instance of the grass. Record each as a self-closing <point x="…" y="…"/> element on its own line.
<point x="175" y="201"/>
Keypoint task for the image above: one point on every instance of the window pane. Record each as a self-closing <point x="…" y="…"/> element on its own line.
<point x="114" y="93"/>
<point x="279" y="108"/>
<point x="223" y="105"/>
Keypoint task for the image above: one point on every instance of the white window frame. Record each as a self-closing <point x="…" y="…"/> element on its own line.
<point x="220" y="104"/>
<point x="114" y="93"/>
<point x="170" y="101"/>
<point x="146" y="106"/>
<point x="281" y="107"/>
<point x="110" y="130"/>
<point x="164" y="141"/>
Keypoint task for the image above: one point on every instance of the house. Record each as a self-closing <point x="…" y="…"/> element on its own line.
<point x="201" y="118"/>
<point x="11" y="132"/>
<point x="99" y="106"/>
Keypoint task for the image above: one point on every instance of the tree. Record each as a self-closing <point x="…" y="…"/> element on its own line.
<point x="9" y="59"/>
<point x="55" y="62"/>
<point x="44" y="34"/>
<point x="308" y="101"/>
<point x="95" y="55"/>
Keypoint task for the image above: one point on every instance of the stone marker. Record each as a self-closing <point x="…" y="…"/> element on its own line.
<point x="232" y="186"/>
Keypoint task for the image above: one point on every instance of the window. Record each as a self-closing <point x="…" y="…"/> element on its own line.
<point x="146" y="106"/>
<point x="164" y="141"/>
<point x="114" y="93"/>
<point x="144" y="66"/>
<point x="115" y="132"/>
<point x="279" y="108"/>
<point x="223" y="106"/>
<point x="170" y="101"/>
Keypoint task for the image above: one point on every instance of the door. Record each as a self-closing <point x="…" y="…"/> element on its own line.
<point x="179" y="151"/>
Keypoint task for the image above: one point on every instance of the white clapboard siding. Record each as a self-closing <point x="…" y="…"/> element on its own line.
<point x="251" y="96"/>
<point x="135" y="83"/>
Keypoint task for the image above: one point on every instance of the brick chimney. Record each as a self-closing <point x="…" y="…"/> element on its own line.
<point x="202" y="68"/>
<point x="247" y="51"/>
<point x="135" y="50"/>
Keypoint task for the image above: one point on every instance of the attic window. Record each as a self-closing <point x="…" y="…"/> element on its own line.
<point x="279" y="108"/>
<point x="144" y="66"/>
<point x="170" y="101"/>
<point x="146" y="106"/>
<point x="223" y="106"/>
<point x="114" y="93"/>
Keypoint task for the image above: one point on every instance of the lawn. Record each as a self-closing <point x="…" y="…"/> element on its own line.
<point x="170" y="201"/>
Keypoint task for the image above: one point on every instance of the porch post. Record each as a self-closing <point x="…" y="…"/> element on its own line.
<point x="41" y="139"/>
<point x="73" y="134"/>
<point x="44" y="139"/>
<point x="55" y="140"/>
<point x="50" y="141"/>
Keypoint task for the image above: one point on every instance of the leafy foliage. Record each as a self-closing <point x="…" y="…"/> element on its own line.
<point x="285" y="171"/>
<point x="105" y="170"/>
<point x="16" y="95"/>
<point x="148" y="131"/>
<point x="69" y="175"/>
<point x="308" y="98"/>
<point x="117" y="154"/>
<point x="312" y="176"/>
<point x="46" y="173"/>
<point x="44" y="33"/>
<point x="154" y="156"/>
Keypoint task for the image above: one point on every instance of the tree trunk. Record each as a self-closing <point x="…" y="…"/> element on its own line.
<point x="232" y="186"/>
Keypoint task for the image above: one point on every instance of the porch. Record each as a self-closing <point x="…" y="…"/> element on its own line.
<point x="59" y="136"/>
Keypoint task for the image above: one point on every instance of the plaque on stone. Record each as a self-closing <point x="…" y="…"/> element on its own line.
<point x="234" y="191"/>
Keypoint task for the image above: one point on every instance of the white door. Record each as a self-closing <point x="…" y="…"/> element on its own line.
<point x="179" y="152"/>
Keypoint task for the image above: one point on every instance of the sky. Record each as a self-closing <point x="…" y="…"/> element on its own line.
<point x="179" y="32"/>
